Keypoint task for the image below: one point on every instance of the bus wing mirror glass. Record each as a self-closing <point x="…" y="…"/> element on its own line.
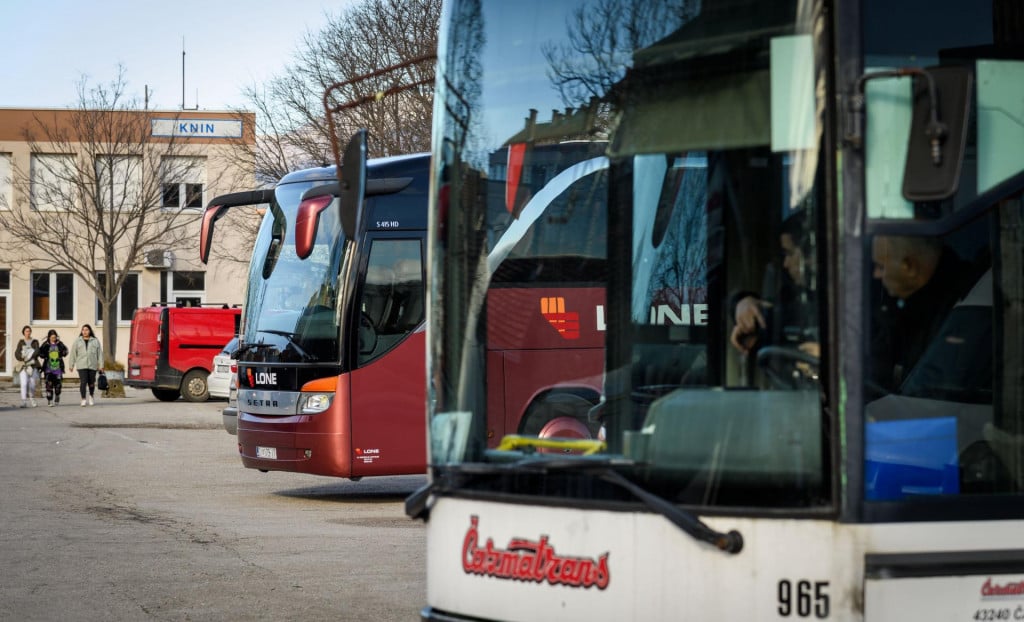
<point x="938" y="133"/>
<point x="352" y="176"/>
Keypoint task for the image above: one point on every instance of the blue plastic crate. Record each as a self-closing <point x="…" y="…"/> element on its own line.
<point x="911" y="457"/>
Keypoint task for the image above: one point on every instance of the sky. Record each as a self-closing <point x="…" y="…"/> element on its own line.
<point x="50" y="45"/>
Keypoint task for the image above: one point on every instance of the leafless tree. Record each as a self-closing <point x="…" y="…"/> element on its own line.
<point x="602" y="36"/>
<point x="292" y="131"/>
<point x="96" y="194"/>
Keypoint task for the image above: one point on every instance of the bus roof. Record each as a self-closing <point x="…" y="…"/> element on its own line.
<point x="393" y="166"/>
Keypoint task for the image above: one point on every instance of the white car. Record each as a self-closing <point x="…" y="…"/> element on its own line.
<point x="224" y="367"/>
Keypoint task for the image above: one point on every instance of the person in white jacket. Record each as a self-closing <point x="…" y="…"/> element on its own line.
<point x="86" y="356"/>
<point x="27" y="366"/>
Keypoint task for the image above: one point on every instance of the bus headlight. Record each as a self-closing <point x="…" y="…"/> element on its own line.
<point x="313" y="403"/>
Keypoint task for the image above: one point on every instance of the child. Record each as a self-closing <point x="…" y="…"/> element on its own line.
<point x="53" y="352"/>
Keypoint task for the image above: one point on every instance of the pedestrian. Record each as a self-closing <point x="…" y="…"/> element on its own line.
<point x="52" y="353"/>
<point x="27" y="366"/>
<point x="87" y="356"/>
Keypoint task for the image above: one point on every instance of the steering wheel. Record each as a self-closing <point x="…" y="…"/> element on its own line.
<point x="791" y="375"/>
<point x="367" y="334"/>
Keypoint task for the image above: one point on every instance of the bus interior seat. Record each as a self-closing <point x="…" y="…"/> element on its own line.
<point x="409" y="294"/>
<point x="378" y="294"/>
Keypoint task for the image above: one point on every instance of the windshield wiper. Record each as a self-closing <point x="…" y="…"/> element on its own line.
<point x="290" y="337"/>
<point x="245" y="347"/>
<point x="416" y="505"/>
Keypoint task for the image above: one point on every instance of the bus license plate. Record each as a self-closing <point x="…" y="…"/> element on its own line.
<point x="270" y="453"/>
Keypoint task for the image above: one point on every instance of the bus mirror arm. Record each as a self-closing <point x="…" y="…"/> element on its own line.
<point x="417" y="505"/>
<point x="936" y="130"/>
<point x="218" y="207"/>
<point x="856" y="105"/>
<point x="940" y="109"/>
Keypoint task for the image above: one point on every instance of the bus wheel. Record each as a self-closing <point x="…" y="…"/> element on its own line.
<point x="166" y="395"/>
<point x="562" y="415"/>
<point x="194" y="387"/>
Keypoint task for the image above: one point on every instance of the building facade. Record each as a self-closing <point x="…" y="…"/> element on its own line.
<point x="151" y="174"/>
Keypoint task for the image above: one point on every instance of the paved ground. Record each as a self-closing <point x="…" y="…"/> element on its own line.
<point x="140" y="510"/>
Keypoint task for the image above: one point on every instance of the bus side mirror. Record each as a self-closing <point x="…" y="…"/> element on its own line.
<point x="210" y="217"/>
<point x="219" y="206"/>
<point x="307" y="217"/>
<point x="938" y="133"/>
<point x="352" y="177"/>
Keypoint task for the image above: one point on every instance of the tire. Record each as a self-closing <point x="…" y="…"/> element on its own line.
<point x="166" y="395"/>
<point x="194" y="387"/>
<point x="554" y="406"/>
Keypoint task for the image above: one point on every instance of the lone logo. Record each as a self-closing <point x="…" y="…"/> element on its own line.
<point x="260" y="377"/>
<point x="567" y="324"/>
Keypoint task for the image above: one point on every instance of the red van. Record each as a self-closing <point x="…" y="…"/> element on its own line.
<point x="172" y="347"/>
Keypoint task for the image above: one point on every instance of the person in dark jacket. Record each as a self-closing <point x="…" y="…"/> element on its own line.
<point x="908" y="268"/>
<point x="793" y="307"/>
<point x="52" y="353"/>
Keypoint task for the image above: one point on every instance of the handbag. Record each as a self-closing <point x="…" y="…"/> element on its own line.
<point x="16" y="379"/>
<point x="101" y="381"/>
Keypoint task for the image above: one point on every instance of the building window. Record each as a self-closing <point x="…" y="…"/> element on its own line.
<point x="187" y="289"/>
<point x="53" y="182"/>
<point x="5" y="279"/>
<point x="120" y="181"/>
<point x="53" y="297"/>
<point x="183" y="182"/>
<point x="127" y="298"/>
<point x="6" y="182"/>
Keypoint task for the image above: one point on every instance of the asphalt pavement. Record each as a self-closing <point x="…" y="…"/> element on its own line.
<point x="139" y="403"/>
<point x="136" y="509"/>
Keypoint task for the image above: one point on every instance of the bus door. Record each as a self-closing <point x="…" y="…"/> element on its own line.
<point x="387" y="393"/>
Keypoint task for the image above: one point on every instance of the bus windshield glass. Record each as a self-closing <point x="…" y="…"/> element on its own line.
<point x="694" y="130"/>
<point x="291" y="305"/>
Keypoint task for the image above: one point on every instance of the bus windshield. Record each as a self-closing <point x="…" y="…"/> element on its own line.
<point x="291" y="306"/>
<point x="702" y="124"/>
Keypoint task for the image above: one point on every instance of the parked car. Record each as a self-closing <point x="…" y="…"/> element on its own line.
<point x="230" y="413"/>
<point x="223" y="368"/>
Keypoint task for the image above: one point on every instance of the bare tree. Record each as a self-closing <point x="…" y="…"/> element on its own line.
<point x="601" y="36"/>
<point x="93" y="198"/>
<point x="286" y="138"/>
<point x="292" y="130"/>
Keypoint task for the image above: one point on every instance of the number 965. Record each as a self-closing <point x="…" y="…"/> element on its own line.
<point x="808" y="598"/>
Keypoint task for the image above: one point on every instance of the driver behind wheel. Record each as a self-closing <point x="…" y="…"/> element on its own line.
<point x="783" y="317"/>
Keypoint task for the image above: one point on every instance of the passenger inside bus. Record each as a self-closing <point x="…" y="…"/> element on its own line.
<point x="930" y="373"/>
<point x="918" y="301"/>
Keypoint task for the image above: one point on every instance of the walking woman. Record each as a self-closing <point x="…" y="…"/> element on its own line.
<point x="27" y="354"/>
<point x="53" y="352"/>
<point x="87" y="356"/>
